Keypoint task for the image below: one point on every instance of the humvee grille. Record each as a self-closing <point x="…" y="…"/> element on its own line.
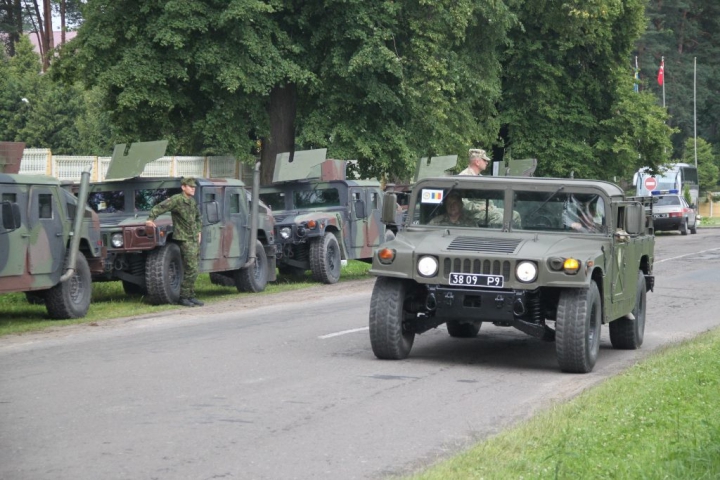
<point x="488" y="245"/>
<point x="467" y="265"/>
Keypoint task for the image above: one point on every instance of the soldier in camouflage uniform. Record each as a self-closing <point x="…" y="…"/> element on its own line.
<point x="478" y="162"/>
<point x="187" y="234"/>
<point x="455" y="214"/>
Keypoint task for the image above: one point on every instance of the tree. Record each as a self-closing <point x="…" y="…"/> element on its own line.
<point x="707" y="162"/>
<point x="568" y="98"/>
<point x="383" y="82"/>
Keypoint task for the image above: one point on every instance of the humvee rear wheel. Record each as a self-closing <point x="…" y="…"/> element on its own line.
<point x="325" y="259"/>
<point x="462" y="330"/>
<point x="164" y="274"/>
<point x="626" y="334"/>
<point x="133" y="288"/>
<point x="254" y="278"/>
<point x="71" y="298"/>
<point x="388" y="339"/>
<point x="577" y="329"/>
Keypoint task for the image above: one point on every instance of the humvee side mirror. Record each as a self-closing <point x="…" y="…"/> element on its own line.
<point x="10" y="216"/>
<point x="389" y="210"/>
<point x="212" y="210"/>
<point x="634" y="219"/>
<point x="360" y="209"/>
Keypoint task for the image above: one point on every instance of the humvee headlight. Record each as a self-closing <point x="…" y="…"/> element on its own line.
<point x="116" y="240"/>
<point x="285" y="233"/>
<point x="386" y="255"/>
<point x="571" y="266"/>
<point x="427" y="266"/>
<point x="526" y="271"/>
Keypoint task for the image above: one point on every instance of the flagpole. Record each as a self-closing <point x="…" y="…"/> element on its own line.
<point x="695" y="104"/>
<point x="663" y="84"/>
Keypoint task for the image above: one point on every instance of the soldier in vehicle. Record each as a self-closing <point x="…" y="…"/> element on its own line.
<point x="187" y="234"/>
<point x="477" y="163"/>
<point x="588" y="216"/>
<point x="455" y="215"/>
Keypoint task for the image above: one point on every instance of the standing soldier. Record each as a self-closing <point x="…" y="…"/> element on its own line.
<point x="186" y="233"/>
<point x="478" y="162"/>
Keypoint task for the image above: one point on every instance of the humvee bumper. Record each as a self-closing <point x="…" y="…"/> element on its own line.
<point x="473" y="304"/>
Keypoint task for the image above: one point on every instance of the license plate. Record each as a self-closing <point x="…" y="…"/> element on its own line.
<point x="660" y="215"/>
<point x="476" y="280"/>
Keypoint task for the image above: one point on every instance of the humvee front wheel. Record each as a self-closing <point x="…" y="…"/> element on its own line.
<point x="388" y="339"/>
<point x="164" y="274"/>
<point x="577" y="329"/>
<point x="254" y="278"/>
<point x="462" y="330"/>
<point x="325" y="259"/>
<point x="626" y="334"/>
<point x="71" y="298"/>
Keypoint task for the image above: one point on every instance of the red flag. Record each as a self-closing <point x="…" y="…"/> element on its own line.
<point x="661" y="72"/>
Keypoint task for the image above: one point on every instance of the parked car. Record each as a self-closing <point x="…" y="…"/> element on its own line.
<point x="672" y="212"/>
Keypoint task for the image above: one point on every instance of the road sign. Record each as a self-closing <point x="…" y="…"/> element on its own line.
<point x="650" y="183"/>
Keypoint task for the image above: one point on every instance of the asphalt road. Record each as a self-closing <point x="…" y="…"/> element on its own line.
<point x="286" y="386"/>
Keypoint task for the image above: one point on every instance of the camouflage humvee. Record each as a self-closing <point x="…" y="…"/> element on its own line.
<point x="48" y="251"/>
<point x="538" y="252"/>
<point x="237" y="245"/>
<point x="321" y="216"/>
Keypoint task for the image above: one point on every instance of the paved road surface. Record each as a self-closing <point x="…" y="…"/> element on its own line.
<point x="287" y="387"/>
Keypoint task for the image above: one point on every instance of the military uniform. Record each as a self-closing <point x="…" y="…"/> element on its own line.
<point x="186" y="229"/>
<point x="466" y="219"/>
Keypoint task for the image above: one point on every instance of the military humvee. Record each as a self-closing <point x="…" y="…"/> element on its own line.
<point x="322" y="218"/>
<point x="237" y="245"/>
<point x="532" y="253"/>
<point x="47" y="250"/>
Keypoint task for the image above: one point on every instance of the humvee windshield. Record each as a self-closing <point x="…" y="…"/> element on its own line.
<point x="562" y="211"/>
<point x="274" y="200"/>
<point x="317" y="198"/>
<point x="113" y="201"/>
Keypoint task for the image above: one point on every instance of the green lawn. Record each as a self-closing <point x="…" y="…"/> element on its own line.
<point x="659" y="420"/>
<point x="110" y="301"/>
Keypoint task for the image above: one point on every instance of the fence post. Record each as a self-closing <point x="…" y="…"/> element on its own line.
<point x="49" y="164"/>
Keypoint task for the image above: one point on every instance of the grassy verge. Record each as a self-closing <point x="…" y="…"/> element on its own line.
<point x="658" y="420"/>
<point x="110" y="301"/>
<point x="710" y="221"/>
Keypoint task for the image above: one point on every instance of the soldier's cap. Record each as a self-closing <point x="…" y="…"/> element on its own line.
<point x="479" y="153"/>
<point x="189" y="181"/>
<point x="454" y="196"/>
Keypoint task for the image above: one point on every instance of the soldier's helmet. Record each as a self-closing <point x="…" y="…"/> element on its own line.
<point x="188" y="181"/>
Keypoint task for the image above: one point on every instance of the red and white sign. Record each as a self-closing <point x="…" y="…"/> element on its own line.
<point x="650" y="183"/>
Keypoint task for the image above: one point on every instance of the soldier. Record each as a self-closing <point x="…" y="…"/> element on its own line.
<point x="478" y="162"/>
<point x="455" y="214"/>
<point x="186" y="233"/>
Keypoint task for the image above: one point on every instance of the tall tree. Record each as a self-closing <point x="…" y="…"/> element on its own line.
<point x="384" y="82"/>
<point x="11" y="24"/>
<point x="568" y="98"/>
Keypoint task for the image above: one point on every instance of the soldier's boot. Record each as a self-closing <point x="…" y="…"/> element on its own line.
<point x="196" y="301"/>
<point x="185" y="302"/>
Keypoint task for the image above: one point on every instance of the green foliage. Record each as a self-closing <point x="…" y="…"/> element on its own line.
<point x="707" y="162"/>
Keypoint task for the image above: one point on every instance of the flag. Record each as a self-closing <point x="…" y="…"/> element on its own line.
<point x="636" y="81"/>
<point x="661" y="72"/>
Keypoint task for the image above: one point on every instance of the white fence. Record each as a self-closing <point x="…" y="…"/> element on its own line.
<point x="41" y="161"/>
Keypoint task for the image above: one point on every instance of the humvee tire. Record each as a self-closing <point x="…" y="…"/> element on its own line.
<point x="253" y="279"/>
<point x="35" y="297"/>
<point x="462" y="330"/>
<point x="164" y="274"/>
<point x="325" y="259"/>
<point x="387" y="338"/>
<point x="577" y="328"/>
<point x="71" y="298"/>
<point x="626" y="334"/>
<point x="133" y="288"/>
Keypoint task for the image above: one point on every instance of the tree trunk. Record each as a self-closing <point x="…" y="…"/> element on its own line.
<point x="62" y="22"/>
<point x="282" y="109"/>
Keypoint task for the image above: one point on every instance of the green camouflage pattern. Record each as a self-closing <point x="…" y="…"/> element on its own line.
<point x="190" y="258"/>
<point x="224" y="213"/>
<point x="34" y="254"/>
<point x="129" y="160"/>
<point x="529" y="226"/>
<point x="317" y="199"/>
<point x="185" y="216"/>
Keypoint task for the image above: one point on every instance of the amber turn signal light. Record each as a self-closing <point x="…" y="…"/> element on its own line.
<point x="386" y="255"/>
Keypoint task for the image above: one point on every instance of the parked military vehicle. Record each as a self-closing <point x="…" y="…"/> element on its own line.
<point x="529" y="253"/>
<point x="49" y="251"/>
<point x="237" y="245"/>
<point x="322" y="218"/>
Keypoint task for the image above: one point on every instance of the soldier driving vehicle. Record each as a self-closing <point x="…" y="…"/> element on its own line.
<point x="518" y="262"/>
<point x="48" y="249"/>
<point x="322" y="217"/>
<point x="237" y="238"/>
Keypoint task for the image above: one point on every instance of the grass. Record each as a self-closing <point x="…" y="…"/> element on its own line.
<point x="110" y="301"/>
<point x="658" y="420"/>
<point x="709" y="221"/>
